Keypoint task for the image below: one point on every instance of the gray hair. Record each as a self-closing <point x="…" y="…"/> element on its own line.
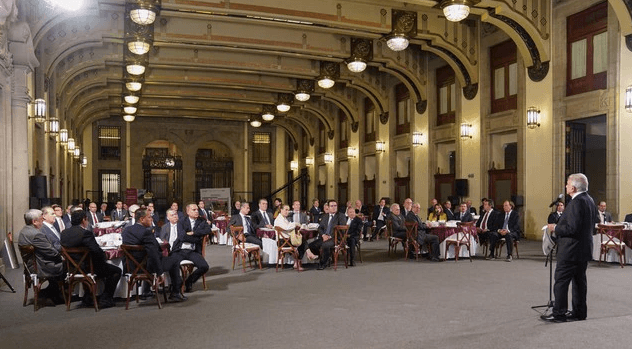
<point x="170" y="211"/>
<point x="579" y="181"/>
<point x="48" y="210"/>
<point x="394" y="205"/>
<point x="31" y="216"/>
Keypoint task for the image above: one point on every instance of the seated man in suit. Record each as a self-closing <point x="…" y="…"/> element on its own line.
<point x="315" y="211"/>
<point x="94" y="217"/>
<point x="510" y="229"/>
<point x="296" y="215"/>
<point x="380" y="212"/>
<point x="471" y="209"/>
<point x="407" y="207"/>
<point x="132" y="215"/>
<point x="59" y="218"/>
<point x="423" y="237"/>
<point x="66" y="217"/>
<point x="397" y="222"/>
<point x="447" y="208"/>
<point x="189" y="244"/>
<point x="207" y="214"/>
<point x="48" y="259"/>
<point x="433" y="203"/>
<point x="78" y="236"/>
<point x="488" y="222"/>
<point x="262" y="218"/>
<point x="49" y="229"/>
<point x="141" y="234"/>
<point x="323" y="244"/>
<point x="153" y="214"/>
<point x="361" y="209"/>
<point x="170" y="230"/>
<point x="236" y="208"/>
<point x="464" y="214"/>
<point x="603" y="215"/>
<point x="354" y="233"/>
<point x="103" y="209"/>
<point x="175" y="207"/>
<point x="554" y="217"/>
<point x="118" y="213"/>
<point x="242" y="220"/>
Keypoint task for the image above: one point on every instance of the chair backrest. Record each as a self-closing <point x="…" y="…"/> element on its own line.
<point x="237" y="234"/>
<point x="611" y="232"/>
<point x="411" y="231"/>
<point x="28" y="259"/>
<point x="340" y="234"/>
<point x="75" y="257"/>
<point x="133" y="266"/>
<point x="465" y="231"/>
<point x="389" y="227"/>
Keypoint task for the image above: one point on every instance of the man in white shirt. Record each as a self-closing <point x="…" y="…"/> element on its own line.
<point x="48" y="228"/>
<point x="118" y="214"/>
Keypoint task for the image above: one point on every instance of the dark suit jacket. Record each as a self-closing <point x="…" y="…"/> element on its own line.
<point x="66" y="219"/>
<point x="397" y="223"/>
<point x="513" y="225"/>
<point x="303" y="215"/>
<point x="466" y="218"/>
<point x="200" y="229"/>
<point x="48" y="259"/>
<point x="209" y="215"/>
<point x="114" y="216"/>
<point x="235" y="220"/>
<point x="493" y="223"/>
<point x="607" y="217"/>
<point x="628" y="218"/>
<point x="91" y="221"/>
<point x="355" y="227"/>
<point x="315" y="212"/>
<point x="554" y="218"/>
<point x="376" y="212"/>
<point x="52" y="237"/>
<point x="472" y="210"/>
<point x="138" y="234"/>
<point x="421" y="226"/>
<point x="574" y="230"/>
<point x="76" y="236"/>
<point x="165" y="232"/>
<point x="338" y="219"/>
<point x="56" y="225"/>
<point x="449" y="214"/>
<point x="257" y="219"/>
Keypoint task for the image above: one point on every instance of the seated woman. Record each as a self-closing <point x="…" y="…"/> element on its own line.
<point x="437" y="214"/>
<point x="287" y="226"/>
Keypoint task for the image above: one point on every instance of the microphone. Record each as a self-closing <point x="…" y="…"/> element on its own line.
<point x="559" y="198"/>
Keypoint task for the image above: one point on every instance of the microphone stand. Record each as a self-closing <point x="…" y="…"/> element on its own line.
<point x="549" y="305"/>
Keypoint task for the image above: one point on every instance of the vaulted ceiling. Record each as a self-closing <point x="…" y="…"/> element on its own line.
<point x="225" y="60"/>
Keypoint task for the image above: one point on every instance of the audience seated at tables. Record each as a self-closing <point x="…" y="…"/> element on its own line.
<point x="323" y="244"/>
<point x="470" y="208"/>
<point x="437" y="214"/>
<point x="204" y="212"/>
<point x="49" y="229"/>
<point x="353" y="234"/>
<point x="118" y="213"/>
<point x="380" y="212"/>
<point x="141" y="234"/>
<point x="603" y="215"/>
<point x="78" y="236"/>
<point x="407" y="207"/>
<point x="189" y="244"/>
<point x="94" y="217"/>
<point x="315" y="211"/>
<point x="49" y="261"/>
<point x="397" y="222"/>
<point x="296" y="215"/>
<point x="464" y="214"/>
<point x="447" y="209"/>
<point x="509" y="229"/>
<point x="262" y="218"/>
<point x="236" y="208"/>
<point x="554" y="217"/>
<point x="289" y="226"/>
<point x="489" y="220"/>
<point x="423" y="237"/>
<point x="250" y="228"/>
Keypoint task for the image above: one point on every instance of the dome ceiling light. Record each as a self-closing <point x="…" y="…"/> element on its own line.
<point x="304" y="89"/>
<point x="138" y="46"/>
<point x="284" y="100"/>
<point x="267" y="112"/>
<point x="455" y="10"/>
<point x="129" y="110"/>
<point x="329" y="72"/>
<point x="135" y="69"/>
<point x="131" y="99"/>
<point x="133" y="85"/>
<point x="129" y="117"/>
<point x="361" y="53"/>
<point x="404" y="27"/>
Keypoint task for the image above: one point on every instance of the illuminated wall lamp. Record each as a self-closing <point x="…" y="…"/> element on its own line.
<point x="628" y="99"/>
<point x="142" y="16"/>
<point x="329" y="158"/>
<point x="380" y="147"/>
<point x="133" y="85"/>
<point x="71" y="145"/>
<point x="77" y="152"/>
<point x="309" y="161"/>
<point x="352" y="152"/>
<point x="53" y="126"/>
<point x="466" y="131"/>
<point x="417" y="138"/>
<point x="293" y="165"/>
<point x="63" y="136"/>
<point x="84" y="161"/>
<point x="39" y="110"/>
<point x="533" y="117"/>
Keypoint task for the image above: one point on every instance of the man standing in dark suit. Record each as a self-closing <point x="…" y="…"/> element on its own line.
<point x="141" y="234"/>
<point x="464" y="214"/>
<point x="380" y="212"/>
<point x="118" y="213"/>
<point x="325" y="241"/>
<point x="487" y="222"/>
<point x="554" y="217"/>
<point x="574" y="233"/>
<point x="77" y="236"/>
<point x="510" y="229"/>
<point x="189" y="244"/>
<point x="432" y="241"/>
<point x="262" y="218"/>
<point x="242" y="220"/>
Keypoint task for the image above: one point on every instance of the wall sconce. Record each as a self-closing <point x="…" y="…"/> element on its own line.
<point x="404" y="27"/>
<point x="309" y="161"/>
<point x="293" y="165"/>
<point x="466" y="131"/>
<point x="131" y="99"/>
<point x="84" y="161"/>
<point x="380" y="147"/>
<point x="71" y="145"/>
<point x="329" y="72"/>
<point x="53" y="125"/>
<point x="303" y="89"/>
<point x="129" y="117"/>
<point x="77" y="152"/>
<point x="417" y="138"/>
<point x="135" y="69"/>
<point x="352" y="152"/>
<point x="628" y="99"/>
<point x="63" y="136"/>
<point x="39" y="110"/>
<point x="533" y="117"/>
<point x="329" y="158"/>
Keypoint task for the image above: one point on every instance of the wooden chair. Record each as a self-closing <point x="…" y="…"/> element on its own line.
<point x="76" y="273"/>
<point x="242" y="249"/>
<point x="462" y="238"/>
<point x="31" y="277"/>
<point x="392" y="241"/>
<point x="411" y="240"/>
<point x="186" y="266"/>
<point x="612" y="239"/>
<point x="501" y="244"/>
<point x="285" y="247"/>
<point x="137" y="272"/>
<point x="340" y="244"/>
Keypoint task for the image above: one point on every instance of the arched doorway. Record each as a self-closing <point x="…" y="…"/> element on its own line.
<point x="213" y="167"/>
<point x="162" y="169"/>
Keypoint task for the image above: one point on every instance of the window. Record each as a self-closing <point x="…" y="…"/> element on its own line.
<point x="369" y="120"/>
<point x="343" y="126"/>
<point x="322" y="138"/>
<point x="261" y="184"/>
<point x="446" y="92"/>
<point x="587" y="50"/>
<point x="110" y="185"/>
<point x="109" y="142"/>
<point x="262" y="150"/>
<point x="504" y="70"/>
<point x="402" y="113"/>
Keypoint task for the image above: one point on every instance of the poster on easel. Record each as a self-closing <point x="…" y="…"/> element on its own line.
<point x="217" y="200"/>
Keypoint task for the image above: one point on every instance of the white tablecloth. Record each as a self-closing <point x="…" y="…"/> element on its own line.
<point x="269" y="253"/>
<point x="463" y="253"/>
<point x="612" y="255"/>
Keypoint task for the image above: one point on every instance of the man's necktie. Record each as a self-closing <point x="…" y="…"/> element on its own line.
<point x="330" y="224"/>
<point x="484" y="222"/>
<point x="246" y="225"/>
<point x="506" y="221"/>
<point x="265" y="216"/>
<point x="94" y="219"/>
